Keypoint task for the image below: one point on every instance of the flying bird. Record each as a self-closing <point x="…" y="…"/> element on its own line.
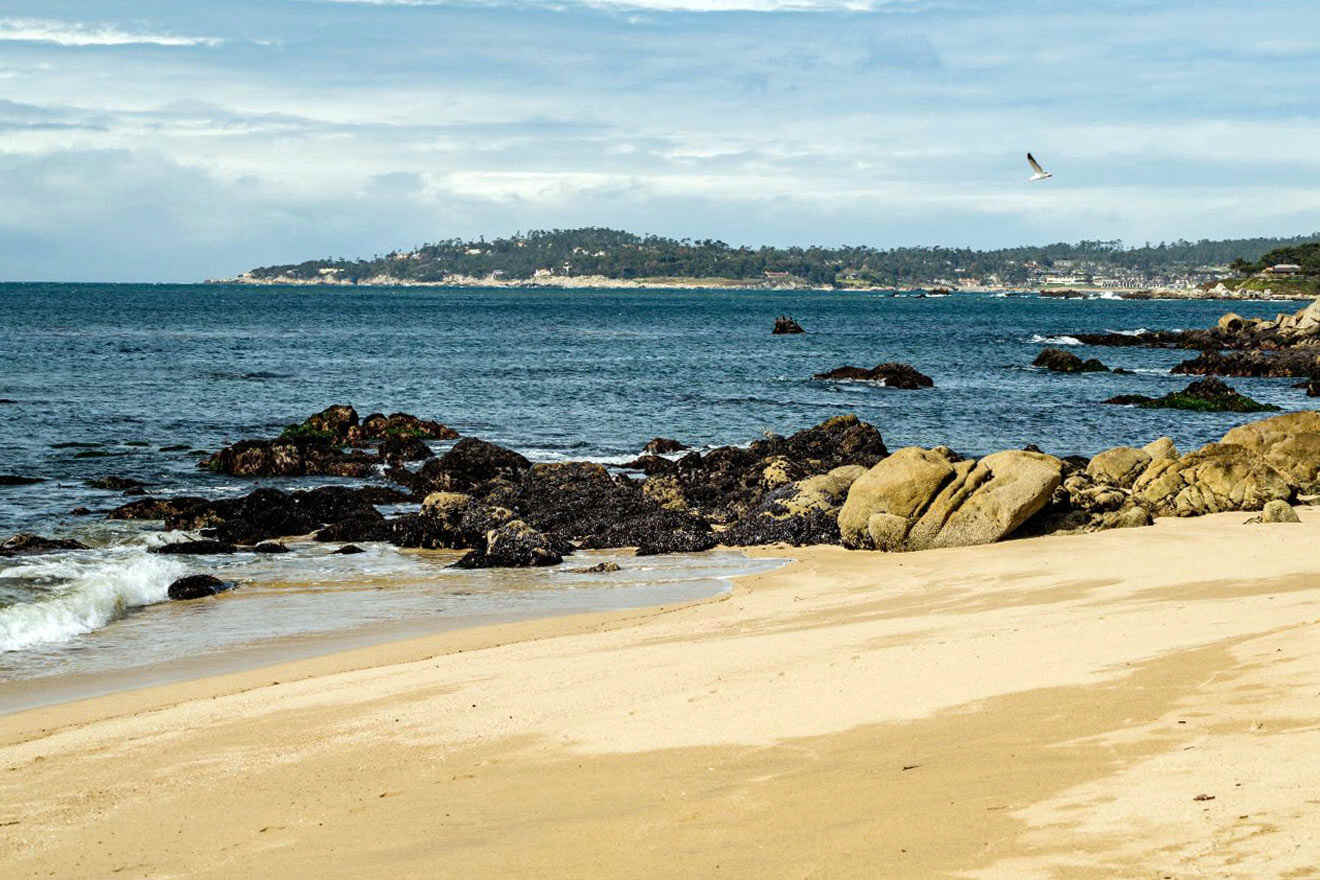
<point x="1041" y="173"/>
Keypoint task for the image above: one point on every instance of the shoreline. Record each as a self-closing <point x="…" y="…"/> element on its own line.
<point x="1004" y="710"/>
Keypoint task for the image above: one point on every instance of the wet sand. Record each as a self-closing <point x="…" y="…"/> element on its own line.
<point x="1137" y="703"/>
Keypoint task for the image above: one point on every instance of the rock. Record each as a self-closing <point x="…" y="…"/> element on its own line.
<point x="890" y="375"/>
<point x="349" y="550"/>
<point x="1215" y="478"/>
<point x="574" y="499"/>
<point x="270" y="513"/>
<point x="516" y="545"/>
<point x="598" y="568"/>
<point x="1231" y="323"/>
<point x="917" y="499"/>
<point x="448" y="521"/>
<point x="27" y="544"/>
<point x="378" y="427"/>
<point x="196" y="586"/>
<point x="785" y="324"/>
<point x="662" y="446"/>
<point x="177" y="447"/>
<point x="291" y="456"/>
<point x="1160" y="448"/>
<point x="1279" y="512"/>
<point x="80" y="511"/>
<point x="199" y="548"/>
<point x="1206" y="395"/>
<point x="1290" y="443"/>
<point x="1119" y="466"/>
<point x="116" y="484"/>
<point x="803" y="513"/>
<point x="16" y="480"/>
<point x="1059" y="361"/>
<point x="1300" y="362"/>
<point x="405" y="447"/>
<point x="270" y="547"/>
<point x="333" y="421"/>
<point x="469" y="464"/>
<point x="655" y="532"/>
<point x="156" y="508"/>
<point x="651" y="465"/>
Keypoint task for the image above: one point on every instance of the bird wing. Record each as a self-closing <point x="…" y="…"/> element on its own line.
<point x="1035" y="166"/>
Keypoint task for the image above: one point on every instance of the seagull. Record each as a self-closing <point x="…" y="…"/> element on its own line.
<point x="1041" y="173"/>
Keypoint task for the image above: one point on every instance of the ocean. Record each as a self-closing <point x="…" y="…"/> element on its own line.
<point x="135" y="380"/>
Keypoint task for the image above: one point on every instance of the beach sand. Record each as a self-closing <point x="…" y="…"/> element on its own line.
<point x="1136" y="703"/>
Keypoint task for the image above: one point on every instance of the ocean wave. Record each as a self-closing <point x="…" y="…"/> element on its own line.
<point x="80" y="593"/>
<point x="1140" y="331"/>
<point x="1036" y="338"/>
<point x="1108" y="294"/>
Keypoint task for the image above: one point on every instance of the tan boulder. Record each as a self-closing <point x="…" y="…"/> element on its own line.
<point x="1231" y="322"/>
<point x="901" y="486"/>
<point x="1290" y="442"/>
<point x="1119" y="466"/>
<point x="441" y="503"/>
<point x="1279" y="512"/>
<point x="824" y="491"/>
<point x="1215" y="478"/>
<point x="1160" y="449"/>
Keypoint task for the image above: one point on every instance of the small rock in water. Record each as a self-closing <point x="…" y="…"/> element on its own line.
<point x="1206" y="395"/>
<point x="196" y="586"/>
<point x="199" y="548"/>
<point x="1058" y="361"/>
<point x="349" y="550"/>
<point x="16" y="480"/>
<point x="80" y="511"/>
<point x="270" y="547"/>
<point x="177" y="447"/>
<point x="662" y="445"/>
<point x="785" y="324"/>
<point x="25" y="544"/>
<point x="598" y="568"/>
<point x="115" y="483"/>
<point x="890" y="375"/>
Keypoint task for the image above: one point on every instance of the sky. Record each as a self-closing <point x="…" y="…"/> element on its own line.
<point x="180" y="140"/>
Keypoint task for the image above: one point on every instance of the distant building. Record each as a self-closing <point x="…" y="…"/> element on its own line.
<point x="1284" y="269"/>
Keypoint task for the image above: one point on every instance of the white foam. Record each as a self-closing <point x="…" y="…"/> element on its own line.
<point x="1055" y="340"/>
<point x="87" y="591"/>
<point x="1140" y="331"/>
<point x="1108" y="294"/>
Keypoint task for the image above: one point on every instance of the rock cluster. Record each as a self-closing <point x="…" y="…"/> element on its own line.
<point x="890" y="375"/>
<point x="25" y="544"/>
<point x="785" y="324"/>
<point x="332" y="443"/>
<point x="1207" y="395"/>
<point x="1058" y="361"/>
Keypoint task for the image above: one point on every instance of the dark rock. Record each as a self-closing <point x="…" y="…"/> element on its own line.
<point x="1302" y="362"/>
<point x="1207" y="395"/>
<point x="177" y="447"/>
<point x="1058" y="361"/>
<point x="75" y="444"/>
<point x="26" y="544"/>
<point x="349" y="550"/>
<point x="785" y="324"/>
<point x="806" y="529"/>
<point x="156" y="508"/>
<point x="662" y="445"/>
<point x="80" y="511"/>
<point x="195" y="548"/>
<point x="470" y="463"/>
<point x="405" y="447"/>
<point x="359" y="528"/>
<point x="378" y="427"/>
<point x="651" y="465"/>
<point x="655" y="532"/>
<point x="293" y="456"/>
<point x="196" y="586"/>
<point x="135" y="491"/>
<point x="115" y="483"/>
<point x="270" y="547"/>
<point x="16" y="480"/>
<point x="890" y="375"/>
<point x="576" y="498"/>
<point x="517" y="545"/>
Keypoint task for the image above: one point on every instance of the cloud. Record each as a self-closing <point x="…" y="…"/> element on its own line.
<point x="65" y="33"/>
<point x="672" y="5"/>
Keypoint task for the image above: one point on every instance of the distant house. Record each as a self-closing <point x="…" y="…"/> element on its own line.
<point x="1284" y="269"/>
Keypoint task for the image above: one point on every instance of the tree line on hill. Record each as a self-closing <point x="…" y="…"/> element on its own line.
<point x="617" y="254"/>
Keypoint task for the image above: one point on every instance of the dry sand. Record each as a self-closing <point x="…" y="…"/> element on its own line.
<point x="1140" y="704"/>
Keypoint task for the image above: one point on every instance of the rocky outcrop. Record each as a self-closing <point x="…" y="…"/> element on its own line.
<point x="654" y="532"/>
<point x="155" y="508"/>
<point x="918" y="499"/>
<point x="890" y="375"/>
<point x="785" y="324"/>
<point x="196" y="586"/>
<point x="1119" y="466"/>
<point x="271" y="513"/>
<point x="1215" y="478"/>
<point x="1289" y="443"/>
<point x="801" y="513"/>
<point x="516" y="545"/>
<point x="26" y="544"/>
<point x="1059" y="361"/>
<point x="1206" y="395"/>
<point x="662" y="446"/>
<point x="1298" y="362"/>
<point x="470" y="466"/>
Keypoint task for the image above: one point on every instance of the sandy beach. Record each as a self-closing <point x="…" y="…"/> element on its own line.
<point x="1133" y="703"/>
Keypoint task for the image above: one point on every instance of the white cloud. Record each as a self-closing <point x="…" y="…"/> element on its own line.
<point x="67" y="33"/>
<point x="673" y="5"/>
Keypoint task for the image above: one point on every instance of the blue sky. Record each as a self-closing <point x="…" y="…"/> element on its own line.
<point x="179" y="140"/>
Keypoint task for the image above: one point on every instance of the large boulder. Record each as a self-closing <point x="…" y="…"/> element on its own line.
<point x="1119" y="466"/>
<point x="1290" y="443"/>
<point x="471" y="463"/>
<point x="919" y="498"/>
<point x="196" y="586"/>
<point x="1215" y="478"/>
<point x="578" y="498"/>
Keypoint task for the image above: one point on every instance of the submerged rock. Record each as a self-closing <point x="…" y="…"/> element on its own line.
<point x="890" y="375"/>
<point x="1206" y="395"/>
<point x="113" y="483"/>
<point x="349" y="550"/>
<point x="27" y="544"/>
<point x="1058" y="361"/>
<point x="196" y="586"/>
<point x="16" y="480"/>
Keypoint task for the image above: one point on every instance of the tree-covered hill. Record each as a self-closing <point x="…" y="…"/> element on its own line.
<point x="1305" y="255"/>
<point x="615" y="254"/>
